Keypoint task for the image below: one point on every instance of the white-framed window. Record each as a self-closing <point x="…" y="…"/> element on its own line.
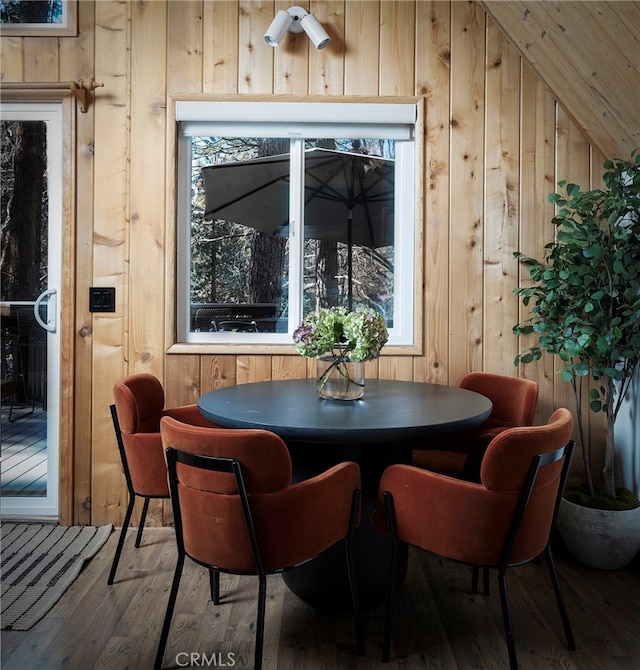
<point x="285" y="207"/>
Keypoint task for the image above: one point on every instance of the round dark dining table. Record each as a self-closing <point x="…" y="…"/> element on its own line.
<point x="375" y="431"/>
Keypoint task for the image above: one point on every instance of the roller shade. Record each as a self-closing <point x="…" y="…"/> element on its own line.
<point x="297" y="119"/>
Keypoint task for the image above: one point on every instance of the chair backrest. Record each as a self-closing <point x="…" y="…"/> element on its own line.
<point x="508" y="456"/>
<point x="139" y="401"/>
<point x="183" y="510"/>
<point x="266" y="463"/>
<point x="136" y="413"/>
<point x="237" y="326"/>
<point x="507" y="466"/>
<point x="514" y="398"/>
<point x="204" y="319"/>
<point x="203" y="495"/>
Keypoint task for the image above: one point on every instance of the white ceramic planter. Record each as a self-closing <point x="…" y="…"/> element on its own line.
<point x="599" y="538"/>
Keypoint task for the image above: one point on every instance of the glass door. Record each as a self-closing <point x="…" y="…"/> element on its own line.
<point x="31" y="218"/>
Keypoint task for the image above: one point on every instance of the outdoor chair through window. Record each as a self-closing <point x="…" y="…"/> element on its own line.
<point x="236" y="326"/>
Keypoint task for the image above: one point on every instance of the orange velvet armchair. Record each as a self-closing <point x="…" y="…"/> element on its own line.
<point x="136" y="412"/>
<point x="503" y="521"/>
<point x="514" y="404"/>
<point x="236" y="511"/>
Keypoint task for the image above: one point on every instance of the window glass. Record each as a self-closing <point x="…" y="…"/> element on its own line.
<point x="239" y="235"/>
<point x="348" y="225"/>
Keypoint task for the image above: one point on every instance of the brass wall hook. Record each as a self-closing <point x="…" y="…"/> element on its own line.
<point x="80" y="89"/>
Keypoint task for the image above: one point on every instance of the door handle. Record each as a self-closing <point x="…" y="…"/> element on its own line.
<point x="50" y="324"/>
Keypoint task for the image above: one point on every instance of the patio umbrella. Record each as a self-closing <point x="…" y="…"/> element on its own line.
<point x="348" y="197"/>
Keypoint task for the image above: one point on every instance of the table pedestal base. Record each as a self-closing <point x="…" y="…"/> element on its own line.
<point x="322" y="582"/>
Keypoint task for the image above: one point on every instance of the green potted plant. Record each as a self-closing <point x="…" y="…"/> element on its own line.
<point x="584" y="304"/>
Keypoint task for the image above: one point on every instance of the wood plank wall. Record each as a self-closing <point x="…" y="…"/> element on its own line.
<point x="496" y="144"/>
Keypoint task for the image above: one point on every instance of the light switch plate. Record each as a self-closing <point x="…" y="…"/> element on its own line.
<point x="102" y="299"/>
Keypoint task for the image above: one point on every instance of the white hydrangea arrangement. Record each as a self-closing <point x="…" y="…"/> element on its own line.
<point x="358" y="335"/>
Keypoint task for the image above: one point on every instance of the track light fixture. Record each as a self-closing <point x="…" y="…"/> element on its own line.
<point x="296" y="19"/>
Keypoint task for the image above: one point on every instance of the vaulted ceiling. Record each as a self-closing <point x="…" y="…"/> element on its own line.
<point x="588" y="53"/>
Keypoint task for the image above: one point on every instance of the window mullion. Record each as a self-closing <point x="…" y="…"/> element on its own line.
<point x="296" y="232"/>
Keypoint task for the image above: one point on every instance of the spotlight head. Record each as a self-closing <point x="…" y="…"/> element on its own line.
<point x="296" y="19"/>
<point x="278" y="28"/>
<point x="317" y="34"/>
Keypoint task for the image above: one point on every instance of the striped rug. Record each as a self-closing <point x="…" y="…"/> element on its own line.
<point x="38" y="563"/>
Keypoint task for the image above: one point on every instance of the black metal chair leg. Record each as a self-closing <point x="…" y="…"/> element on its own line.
<point x="355" y="604"/>
<point x="214" y="585"/>
<point x="169" y="614"/>
<point x="262" y="601"/>
<point x="123" y="534"/>
<point x="353" y="587"/>
<point x="388" y="611"/>
<point x="485" y="580"/>
<point x="143" y="518"/>
<point x="474" y="580"/>
<point x="506" y="616"/>
<point x="564" y="615"/>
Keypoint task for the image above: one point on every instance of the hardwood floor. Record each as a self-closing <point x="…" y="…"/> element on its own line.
<point x="438" y="623"/>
